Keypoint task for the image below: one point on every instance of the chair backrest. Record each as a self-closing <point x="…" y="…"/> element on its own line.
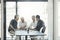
<point x="43" y="29"/>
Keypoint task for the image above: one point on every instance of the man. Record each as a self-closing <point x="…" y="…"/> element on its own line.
<point x="23" y="26"/>
<point x="13" y="24"/>
<point x="33" y="26"/>
<point x="40" y="24"/>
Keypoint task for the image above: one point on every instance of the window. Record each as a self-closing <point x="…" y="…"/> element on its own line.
<point x="26" y="10"/>
<point x="10" y="13"/>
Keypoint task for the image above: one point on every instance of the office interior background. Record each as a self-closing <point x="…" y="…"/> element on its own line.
<point x="26" y="10"/>
<point x="11" y="7"/>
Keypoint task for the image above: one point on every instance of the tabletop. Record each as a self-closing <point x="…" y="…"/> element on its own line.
<point x="28" y="33"/>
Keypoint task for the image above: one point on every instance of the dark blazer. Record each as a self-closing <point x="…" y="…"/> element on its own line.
<point x="40" y="24"/>
<point x="14" y="24"/>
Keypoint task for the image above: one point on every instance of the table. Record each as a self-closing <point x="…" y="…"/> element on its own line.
<point x="28" y="33"/>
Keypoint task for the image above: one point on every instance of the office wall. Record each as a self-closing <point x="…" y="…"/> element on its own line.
<point x="57" y="19"/>
<point x="50" y="20"/>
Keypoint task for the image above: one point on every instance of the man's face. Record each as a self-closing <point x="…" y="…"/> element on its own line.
<point x="37" y="19"/>
<point x="22" y="19"/>
<point x="17" y="18"/>
<point x="33" y="18"/>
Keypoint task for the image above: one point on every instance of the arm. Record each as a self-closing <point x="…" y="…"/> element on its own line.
<point x="43" y="30"/>
<point x="43" y="27"/>
<point x="40" y="24"/>
<point x="30" y="26"/>
<point x="11" y="26"/>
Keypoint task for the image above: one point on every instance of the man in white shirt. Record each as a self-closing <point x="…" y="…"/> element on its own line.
<point x="22" y="26"/>
<point x="33" y="26"/>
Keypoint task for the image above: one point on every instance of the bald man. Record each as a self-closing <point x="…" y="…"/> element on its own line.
<point x="22" y="24"/>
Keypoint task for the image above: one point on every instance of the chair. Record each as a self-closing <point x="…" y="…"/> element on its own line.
<point x="12" y="34"/>
<point x="40" y="37"/>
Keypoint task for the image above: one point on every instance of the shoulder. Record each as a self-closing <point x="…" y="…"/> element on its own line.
<point x="41" y="21"/>
<point x="12" y="20"/>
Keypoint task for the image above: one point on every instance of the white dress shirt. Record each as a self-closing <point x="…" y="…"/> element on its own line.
<point x="22" y="24"/>
<point x="33" y="25"/>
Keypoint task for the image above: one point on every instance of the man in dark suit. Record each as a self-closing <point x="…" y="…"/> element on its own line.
<point x="40" y="24"/>
<point x="13" y="25"/>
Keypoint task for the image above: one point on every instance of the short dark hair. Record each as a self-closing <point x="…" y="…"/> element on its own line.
<point x="15" y="16"/>
<point x="37" y="16"/>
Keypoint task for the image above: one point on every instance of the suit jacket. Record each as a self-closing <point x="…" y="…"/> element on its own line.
<point x="40" y="24"/>
<point x="14" y="24"/>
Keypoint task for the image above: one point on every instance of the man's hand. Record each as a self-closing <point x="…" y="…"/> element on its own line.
<point x="12" y="32"/>
<point x="23" y="28"/>
<point x="32" y="28"/>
